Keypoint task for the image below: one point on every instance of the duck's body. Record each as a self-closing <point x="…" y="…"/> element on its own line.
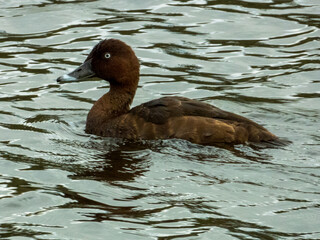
<point x="164" y="118"/>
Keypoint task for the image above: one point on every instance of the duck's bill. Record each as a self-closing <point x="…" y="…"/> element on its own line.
<point x="82" y="72"/>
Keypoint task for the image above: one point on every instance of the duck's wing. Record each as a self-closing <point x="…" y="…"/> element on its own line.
<point x="159" y="111"/>
<point x="179" y="117"/>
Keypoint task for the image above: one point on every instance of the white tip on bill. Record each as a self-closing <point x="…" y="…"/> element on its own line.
<point x="66" y="78"/>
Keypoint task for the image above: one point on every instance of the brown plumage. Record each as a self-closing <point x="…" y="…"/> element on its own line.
<point x="164" y="118"/>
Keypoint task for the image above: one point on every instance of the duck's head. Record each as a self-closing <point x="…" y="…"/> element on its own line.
<point x="112" y="60"/>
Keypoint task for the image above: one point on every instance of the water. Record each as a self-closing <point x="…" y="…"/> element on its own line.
<point x="259" y="59"/>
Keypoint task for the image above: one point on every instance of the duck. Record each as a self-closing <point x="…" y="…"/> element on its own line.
<point x="169" y="117"/>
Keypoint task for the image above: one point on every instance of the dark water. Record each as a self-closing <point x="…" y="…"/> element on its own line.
<point x="259" y="59"/>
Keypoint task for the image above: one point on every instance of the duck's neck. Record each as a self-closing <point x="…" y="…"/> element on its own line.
<point x="111" y="105"/>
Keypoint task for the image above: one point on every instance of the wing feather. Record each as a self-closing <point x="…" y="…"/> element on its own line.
<point x="160" y="111"/>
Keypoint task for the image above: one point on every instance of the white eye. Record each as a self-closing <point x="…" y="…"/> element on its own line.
<point x="107" y="55"/>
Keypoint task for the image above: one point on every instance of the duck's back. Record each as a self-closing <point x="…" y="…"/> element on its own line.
<point x="195" y="121"/>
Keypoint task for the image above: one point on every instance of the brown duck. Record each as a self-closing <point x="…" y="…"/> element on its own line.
<point x="163" y="118"/>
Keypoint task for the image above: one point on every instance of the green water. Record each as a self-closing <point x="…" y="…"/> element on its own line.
<point x="259" y="59"/>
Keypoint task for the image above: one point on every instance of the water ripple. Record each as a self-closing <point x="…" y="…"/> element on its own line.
<point x="259" y="59"/>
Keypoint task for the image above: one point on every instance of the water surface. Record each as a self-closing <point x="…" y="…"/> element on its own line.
<point x="259" y="59"/>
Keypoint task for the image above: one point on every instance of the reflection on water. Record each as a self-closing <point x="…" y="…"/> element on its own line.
<point x="256" y="58"/>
